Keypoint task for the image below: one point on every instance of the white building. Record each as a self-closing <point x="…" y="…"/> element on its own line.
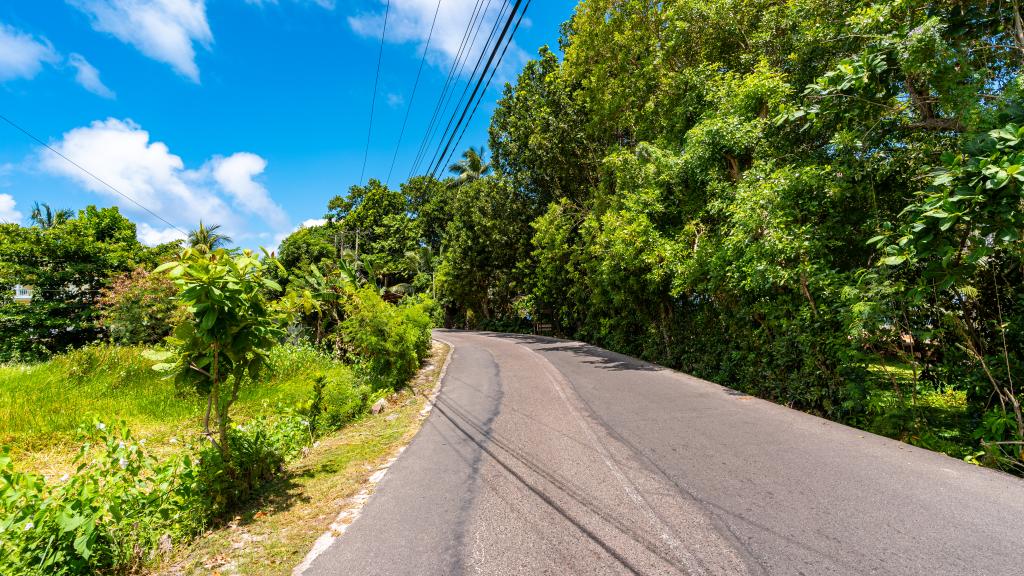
<point x="22" y="294"/>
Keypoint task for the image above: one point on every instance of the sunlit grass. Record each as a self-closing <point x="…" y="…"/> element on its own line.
<point x="43" y="405"/>
<point x="915" y="411"/>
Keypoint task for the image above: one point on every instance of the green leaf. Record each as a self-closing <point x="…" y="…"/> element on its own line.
<point x="165" y="267"/>
<point x="894" y="260"/>
<point x="208" y="319"/>
<point x="157" y="355"/>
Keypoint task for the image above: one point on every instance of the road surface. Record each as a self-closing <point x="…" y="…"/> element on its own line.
<point x="551" y="457"/>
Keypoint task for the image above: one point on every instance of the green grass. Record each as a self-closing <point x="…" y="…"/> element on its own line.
<point x="273" y="534"/>
<point x="917" y="412"/>
<point x="43" y="405"/>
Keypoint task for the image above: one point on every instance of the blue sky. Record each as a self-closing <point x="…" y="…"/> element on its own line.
<point x="248" y="113"/>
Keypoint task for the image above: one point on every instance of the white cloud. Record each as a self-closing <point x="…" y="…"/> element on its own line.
<point x="311" y="223"/>
<point x="328" y="4"/>
<point x="164" y="30"/>
<point x="88" y="76"/>
<point x="22" y="55"/>
<point x="120" y="152"/>
<point x="409" y="22"/>
<point x="235" y="175"/>
<point x="7" y="209"/>
<point x="395" y="100"/>
<point x="151" y="236"/>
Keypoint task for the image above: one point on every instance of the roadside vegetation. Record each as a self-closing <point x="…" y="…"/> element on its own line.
<point x="818" y="203"/>
<point x="149" y="394"/>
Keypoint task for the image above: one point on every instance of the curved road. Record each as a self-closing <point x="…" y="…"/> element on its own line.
<point x="551" y="457"/>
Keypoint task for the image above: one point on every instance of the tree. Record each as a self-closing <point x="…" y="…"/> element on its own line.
<point x="484" y="244"/>
<point x="310" y="245"/>
<point x="139" y="307"/>
<point x="229" y="332"/>
<point x="66" y="266"/>
<point x="46" y="218"/>
<point x="376" y="222"/>
<point x="471" y="167"/>
<point x="207" y="238"/>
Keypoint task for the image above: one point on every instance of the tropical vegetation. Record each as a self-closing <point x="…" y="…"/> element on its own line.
<point x="819" y="203"/>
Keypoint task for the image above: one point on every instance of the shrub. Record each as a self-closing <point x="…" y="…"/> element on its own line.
<point x="419" y="313"/>
<point x="122" y="504"/>
<point x="110" y="515"/>
<point x="387" y="341"/>
<point x="259" y="450"/>
<point x="139" y="308"/>
<point x="229" y="332"/>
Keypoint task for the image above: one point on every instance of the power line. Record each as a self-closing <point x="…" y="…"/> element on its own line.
<point x="476" y="69"/>
<point x="494" y="71"/>
<point x="95" y="177"/>
<point x="458" y="64"/>
<point x="424" y="144"/>
<point x="412" y="97"/>
<point x="373" y="101"/>
<point x="490" y="60"/>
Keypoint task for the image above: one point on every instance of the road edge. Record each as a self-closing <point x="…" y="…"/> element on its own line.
<point x="347" y="516"/>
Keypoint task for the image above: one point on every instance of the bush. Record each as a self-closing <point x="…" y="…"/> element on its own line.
<point x="334" y="403"/>
<point x="140" y="308"/>
<point x="110" y="515"/>
<point x="259" y="450"/>
<point x="122" y="504"/>
<point x="419" y="313"/>
<point x="387" y="341"/>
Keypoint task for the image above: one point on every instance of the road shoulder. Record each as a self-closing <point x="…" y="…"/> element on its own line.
<point x="320" y="495"/>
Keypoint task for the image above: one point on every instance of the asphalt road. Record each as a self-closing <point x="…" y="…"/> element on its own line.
<point x="553" y="457"/>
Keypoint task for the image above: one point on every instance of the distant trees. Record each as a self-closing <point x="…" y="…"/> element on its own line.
<point x="46" y="217"/>
<point x="68" y="261"/>
<point x="207" y="238"/>
<point x="471" y="167"/>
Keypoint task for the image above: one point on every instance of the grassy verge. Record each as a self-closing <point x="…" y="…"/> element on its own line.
<point x="273" y="534"/>
<point x="905" y="407"/>
<point x="42" y="405"/>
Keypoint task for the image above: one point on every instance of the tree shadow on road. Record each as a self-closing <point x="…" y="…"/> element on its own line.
<point x="586" y="353"/>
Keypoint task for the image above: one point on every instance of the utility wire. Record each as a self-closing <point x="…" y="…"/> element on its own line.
<point x="462" y="68"/>
<point x="476" y="69"/>
<point x="494" y="70"/>
<point x="95" y="177"/>
<point x="458" y="63"/>
<point x="412" y="97"/>
<point x="424" y="144"/>
<point x="373" y="101"/>
<point x="476" y="89"/>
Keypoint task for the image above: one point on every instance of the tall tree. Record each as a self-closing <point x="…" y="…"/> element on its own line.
<point x="207" y="238"/>
<point x="471" y="167"/>
<point x="46" y="217"/>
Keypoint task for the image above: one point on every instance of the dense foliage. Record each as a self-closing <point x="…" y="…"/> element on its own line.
<point x="139" y="307"/>
<point x="816" y="202"/>
<point x="122" y="506"/>
<point x="66" y="260"/>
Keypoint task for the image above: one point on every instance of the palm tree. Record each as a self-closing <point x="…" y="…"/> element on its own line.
<point x="471" y="167"/>
<point x="46" y="218"/>
<point x="206" y="238"/>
